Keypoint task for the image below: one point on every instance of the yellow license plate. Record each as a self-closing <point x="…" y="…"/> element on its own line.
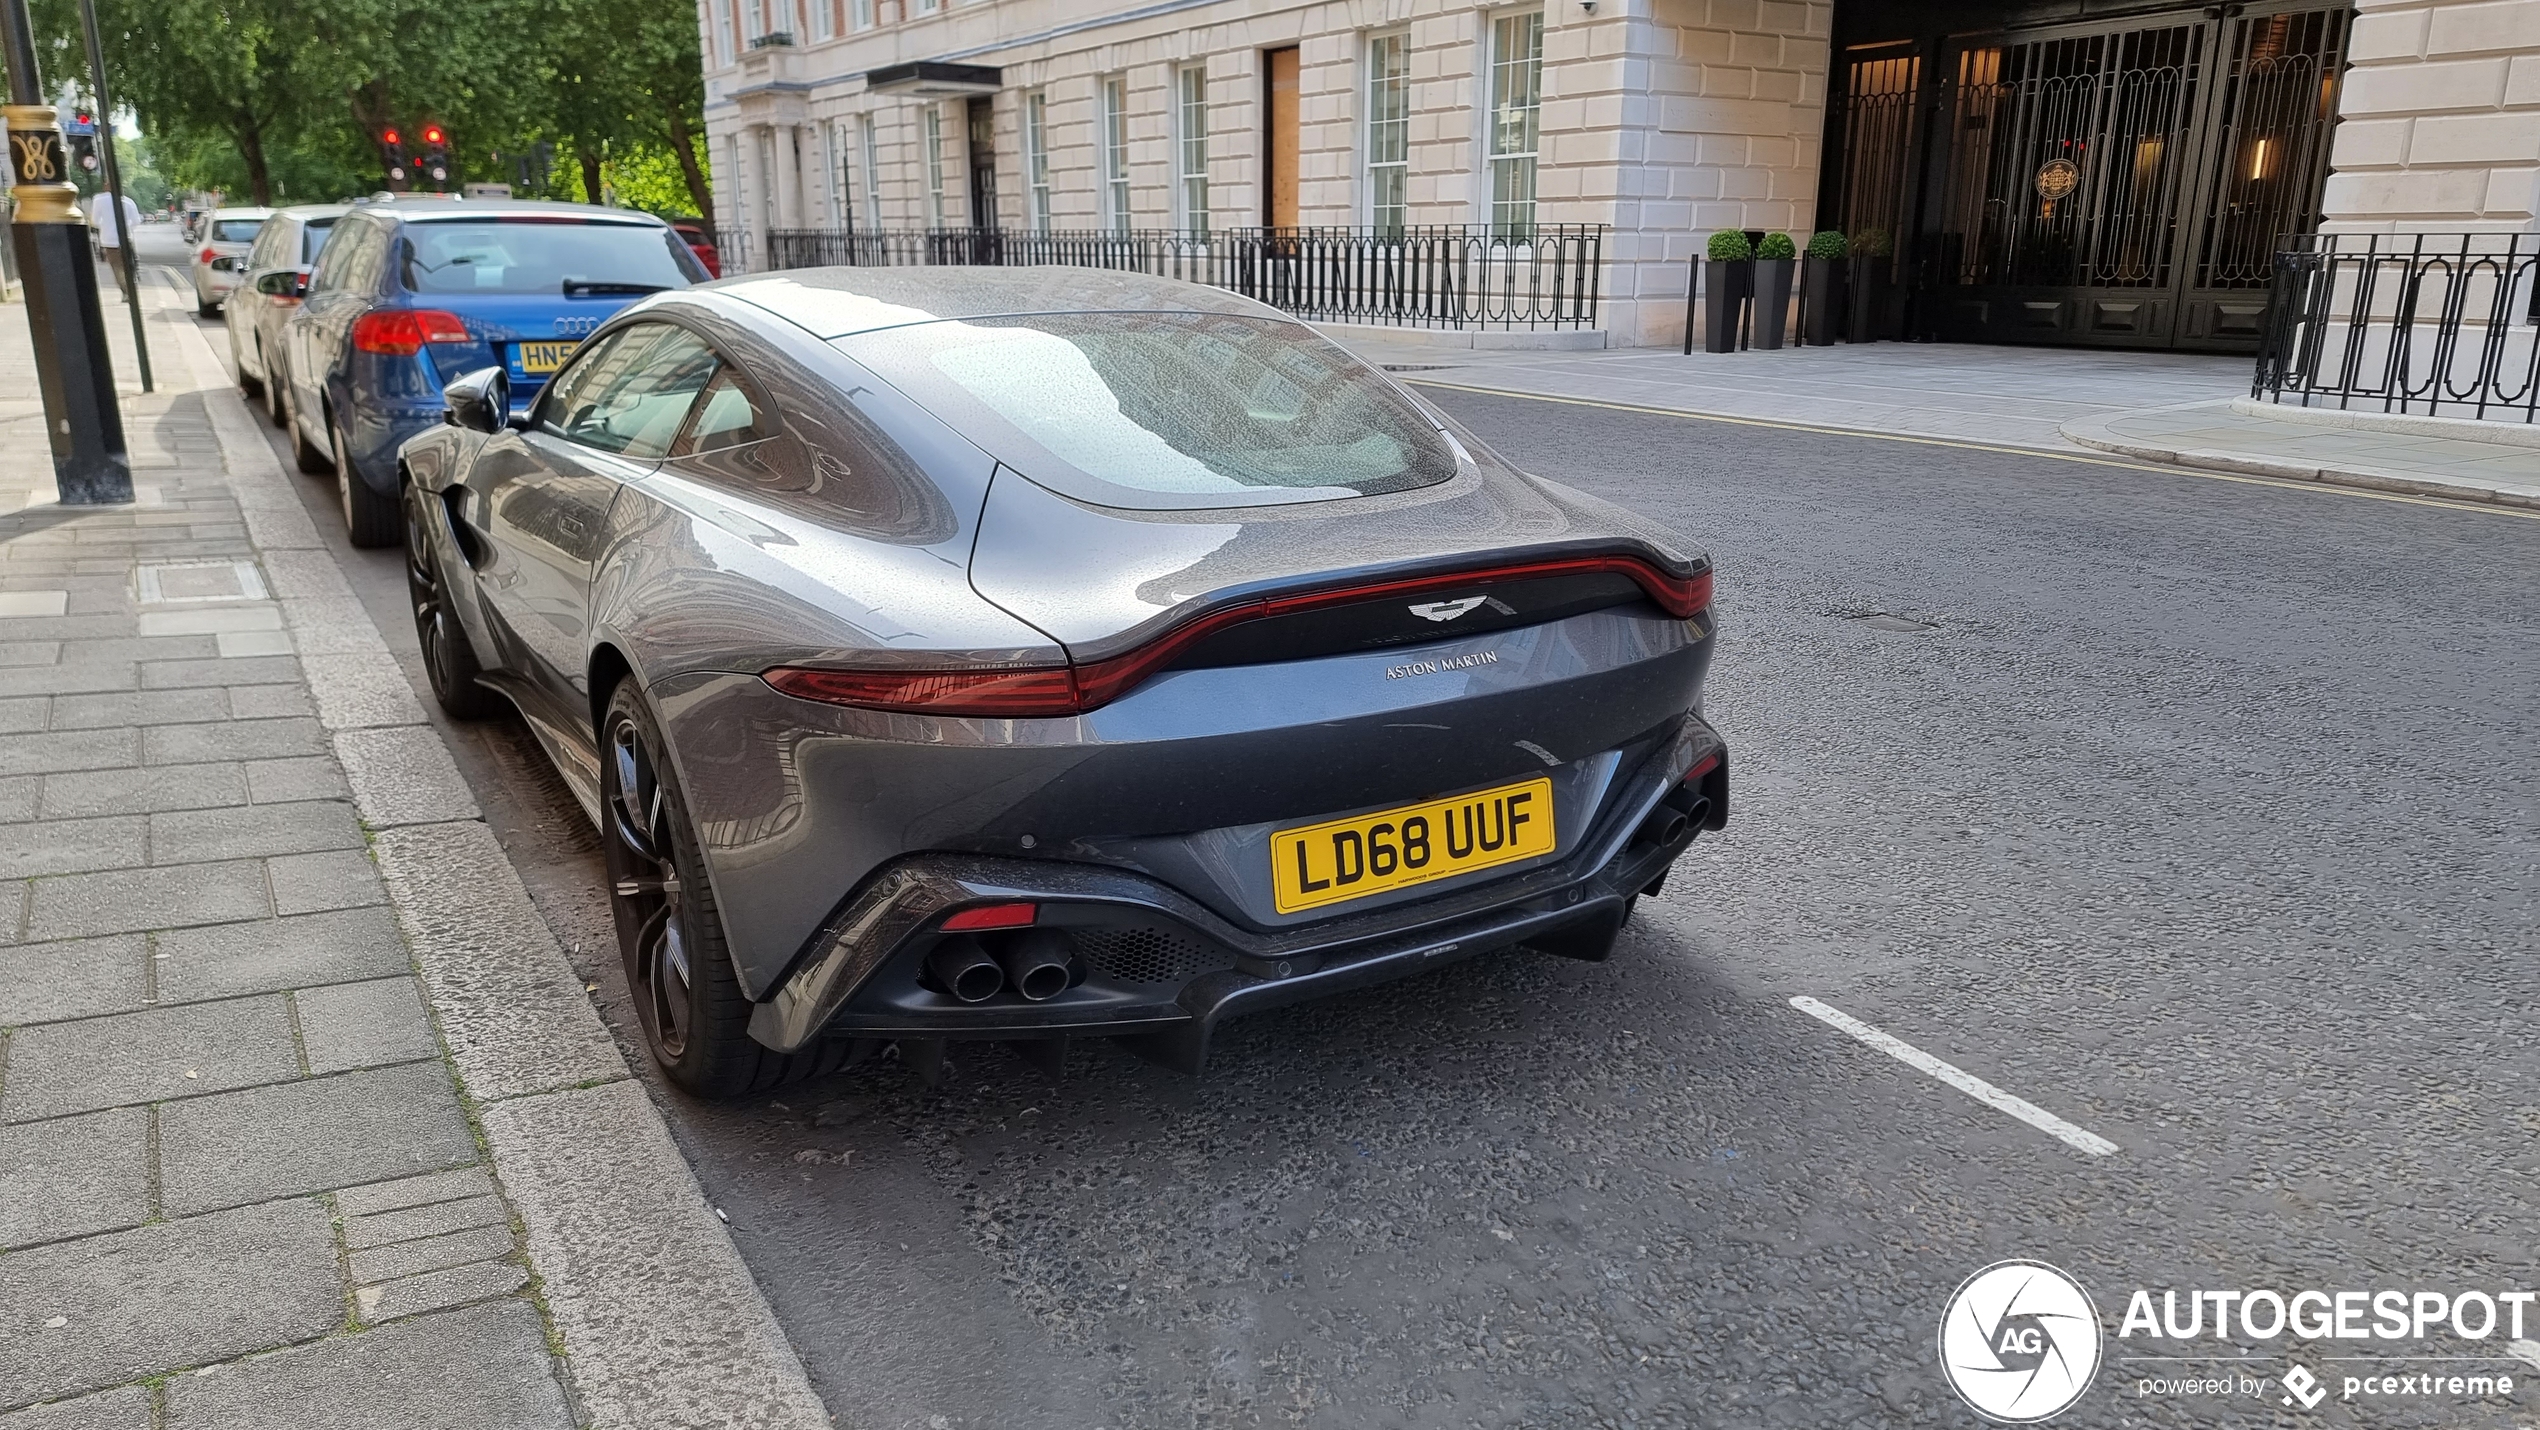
<point x="544" y="357"/>
<point x="1344" y="859"/>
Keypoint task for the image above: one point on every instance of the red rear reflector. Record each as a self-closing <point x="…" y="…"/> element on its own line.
<point x="1703" y="766"/>
<point x="992" y="916"/>
<point x="402" y="332"/>
<point x="1053" y="691"/>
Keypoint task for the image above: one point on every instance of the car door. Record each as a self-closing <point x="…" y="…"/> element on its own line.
<point x="324" y="323"/>
<point x="540" y="496"/>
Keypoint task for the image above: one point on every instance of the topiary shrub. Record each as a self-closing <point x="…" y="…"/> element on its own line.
<point x="1826" y="243"/>
<point x="1729" y="246"/>
<point x="1777" y="245"/>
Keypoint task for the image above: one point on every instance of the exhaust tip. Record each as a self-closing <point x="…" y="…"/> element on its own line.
<point x="1038" y="962"/>
<point x="963" y="969"/>
<point x="1665" y="827"/>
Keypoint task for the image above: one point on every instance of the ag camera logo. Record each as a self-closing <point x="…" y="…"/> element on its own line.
<point x="2019" y="1342"/>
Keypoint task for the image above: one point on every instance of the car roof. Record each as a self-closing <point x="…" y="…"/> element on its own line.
<point x="442" y="207"/>
<point x="306" y="212"/>
<point x="242" y="213"/>
<point x="839" y="302"/>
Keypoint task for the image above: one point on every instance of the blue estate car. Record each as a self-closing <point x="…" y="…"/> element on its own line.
<point x="410" y="293"/>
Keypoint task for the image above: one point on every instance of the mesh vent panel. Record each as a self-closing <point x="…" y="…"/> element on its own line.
<point x="1147" y="955"/>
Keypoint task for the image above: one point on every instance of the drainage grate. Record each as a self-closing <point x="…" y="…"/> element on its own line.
<point x="1147" y="955"/>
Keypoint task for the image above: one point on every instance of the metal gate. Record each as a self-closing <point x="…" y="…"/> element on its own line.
<point x="2096" y="184"/>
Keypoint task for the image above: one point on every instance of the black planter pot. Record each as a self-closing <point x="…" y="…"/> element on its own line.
<point x="1726" y="286"/>
<point x="1772" y="301"/>
<point x="1821" y="302"/>
<point x="1869" y="301"/>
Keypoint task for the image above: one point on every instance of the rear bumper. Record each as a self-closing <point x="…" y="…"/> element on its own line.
<point x="861" y="981"/>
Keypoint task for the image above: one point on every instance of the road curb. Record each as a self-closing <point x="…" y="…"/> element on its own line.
<point x="659" y="1320"/>
<point x="2096" y="433"/>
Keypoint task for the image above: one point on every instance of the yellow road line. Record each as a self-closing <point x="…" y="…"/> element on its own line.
<point x="2287" y="484"/>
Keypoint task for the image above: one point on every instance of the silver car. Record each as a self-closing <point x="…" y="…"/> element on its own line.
<point x="1030" y="654"/>
<point x="220" y="260"/>
<point x="277" y="277"/>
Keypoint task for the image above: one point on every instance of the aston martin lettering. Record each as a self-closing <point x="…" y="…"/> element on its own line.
<point x="1452" y="662"/>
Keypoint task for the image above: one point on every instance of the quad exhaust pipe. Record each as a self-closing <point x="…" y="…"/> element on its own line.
<point x="1038" y="962"/>
<point x="960" y="967"/>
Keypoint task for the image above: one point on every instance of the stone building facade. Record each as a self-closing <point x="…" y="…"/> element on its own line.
<point x="1662" y="120"/>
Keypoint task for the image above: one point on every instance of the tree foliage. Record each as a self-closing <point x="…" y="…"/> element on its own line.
<point x="285" y="99"/>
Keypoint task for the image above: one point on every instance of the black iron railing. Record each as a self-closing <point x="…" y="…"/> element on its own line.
<point x="1441" y="276"/>
<point x="2446" y="325"/>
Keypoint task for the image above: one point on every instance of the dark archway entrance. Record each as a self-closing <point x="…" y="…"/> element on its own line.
<point x="2117" y="182"/>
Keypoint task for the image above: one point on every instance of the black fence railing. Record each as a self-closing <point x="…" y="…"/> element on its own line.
<point x="2444" y="325"/>
<point x="1440" y="276"/>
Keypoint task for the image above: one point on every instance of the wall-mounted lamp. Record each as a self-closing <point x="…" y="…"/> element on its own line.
<point x="1588" y="6"/>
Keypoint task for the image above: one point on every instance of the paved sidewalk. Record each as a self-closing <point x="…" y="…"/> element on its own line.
<point x="304" y="1119"/>
<point x="2187" y="408"/>
<point x="2492" y="461"/>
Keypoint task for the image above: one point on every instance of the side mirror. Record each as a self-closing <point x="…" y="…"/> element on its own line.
<point x="283" y="283"/>
<point x="480" y="401"/>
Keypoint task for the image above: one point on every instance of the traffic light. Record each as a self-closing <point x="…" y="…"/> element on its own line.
<point x="392" y="157"/>
<point x="82" y="134"/>
<point x="436" y="156"/>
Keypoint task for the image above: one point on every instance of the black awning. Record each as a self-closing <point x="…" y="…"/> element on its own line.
<point x="934" y="77"/>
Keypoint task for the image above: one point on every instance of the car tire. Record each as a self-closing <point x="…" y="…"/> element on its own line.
<point x="449" y="656"/>
<point x="238" y="364"/>
<point x="205" y="310"/>
<point x="304" y="454"/>
<point x="694" y="1015"/>
<point x="370" y="519"/>
<point x="273" y="385"/>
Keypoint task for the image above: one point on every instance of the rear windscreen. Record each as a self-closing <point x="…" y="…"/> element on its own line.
<point x="236" y="230"/>
<point x="313" y="238"/>
<point x="540" y="255"/>
<point x="1165" y="409"/>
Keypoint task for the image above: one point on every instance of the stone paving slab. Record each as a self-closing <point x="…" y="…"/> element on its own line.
<point x="131" y="1408"/>
<point x="228" y="959"/>
<point x="100" y="1311"/>
<point x="483" y="1368"/>
<point x="130" y="1058"/>
<point x="74" y="1176"/>
<point x="309" y="1136"/>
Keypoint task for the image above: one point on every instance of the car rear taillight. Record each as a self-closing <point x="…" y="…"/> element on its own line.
<point x="1046" y="691"/>
<point x="402" y="332"/>
<point x="209" y="254"/>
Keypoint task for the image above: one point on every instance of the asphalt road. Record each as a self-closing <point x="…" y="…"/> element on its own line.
<point x="2198" y="813"/>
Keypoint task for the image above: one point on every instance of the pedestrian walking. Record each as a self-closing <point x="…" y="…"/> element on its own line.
<point x="110" y="227"/>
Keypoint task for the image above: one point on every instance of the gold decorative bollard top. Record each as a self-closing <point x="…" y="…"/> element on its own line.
<point x="44" y="190"/>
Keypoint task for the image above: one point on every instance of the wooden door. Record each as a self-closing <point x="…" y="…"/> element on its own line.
<point x="1279" y="182"/>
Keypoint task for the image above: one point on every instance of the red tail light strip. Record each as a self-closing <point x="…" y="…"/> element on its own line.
<point x="1073" y="690"/>
<point x="402" y="332"/>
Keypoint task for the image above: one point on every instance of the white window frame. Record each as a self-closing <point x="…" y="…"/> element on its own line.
<point x="824" y="20"/>
<point x="1036" y="158"/>
<point x="1190" y="148"/>
<point x="934" y="161"/>
<point x="833" y="168"/>
<point x="924" y="7"/>
<point x="726" y="43"/>
<point x="1112" y="145"/>
<point x="1512" y="216"/>
<point x="860" y="14"/>
<point x="872" y="146"/>
<point x="1372" y="140"/>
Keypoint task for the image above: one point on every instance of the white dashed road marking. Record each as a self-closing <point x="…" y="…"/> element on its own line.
<point x="2035" y="1116"/>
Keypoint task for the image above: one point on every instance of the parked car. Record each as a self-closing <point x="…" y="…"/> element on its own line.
<point x="220" y="263"/>
<point x="277" y="277"/>
<point x="409" y="293"/>
<point x="700" y="242"/>
<point x="1028" y="654"/>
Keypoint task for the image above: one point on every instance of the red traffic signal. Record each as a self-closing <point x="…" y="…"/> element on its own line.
<point x="432" y="134"/>
<point x="391" y="136"/>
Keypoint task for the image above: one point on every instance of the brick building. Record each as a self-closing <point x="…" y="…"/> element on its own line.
<point x="2198" y="137"/>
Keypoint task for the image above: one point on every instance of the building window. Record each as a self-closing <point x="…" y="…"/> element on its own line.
<point x="841" y="193"/>
<point x="1190" y="113"/>
<point x="1388" y="130"/>
<point x="824" y="19"/>
<point x="872" y="147"/>
<point x="860" y="14"/>
<point x="934" y="166"/>
<point x="1036" y="157"/>
<point x="723" y="42"/>
<point x="924" y="7"/>
<point x="1516" y="99"/>
<point x="1115" y="154"/>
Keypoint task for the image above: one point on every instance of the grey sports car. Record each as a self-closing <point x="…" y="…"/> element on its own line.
<point x="1029" y="654"/>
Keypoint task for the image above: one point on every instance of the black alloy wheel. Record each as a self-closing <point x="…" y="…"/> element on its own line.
<point x="449" y="657"/>
<point x="669" y="933"/>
